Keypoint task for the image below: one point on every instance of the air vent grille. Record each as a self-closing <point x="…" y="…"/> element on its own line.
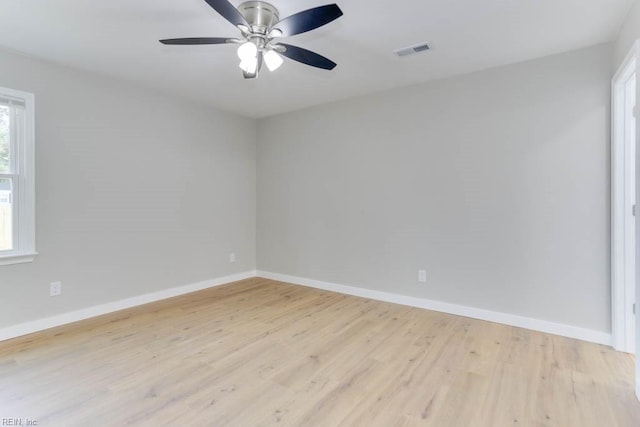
<point x="412" y="50"/>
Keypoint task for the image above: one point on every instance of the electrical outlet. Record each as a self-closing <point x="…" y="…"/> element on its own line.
<point x="55" y="289"/>
<point x="422" y="276"/>
<point x="232" y="257"/>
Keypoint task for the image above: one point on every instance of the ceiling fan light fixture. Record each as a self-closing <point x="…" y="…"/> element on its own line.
<point x="249" y="65"/>
<point x="273" y="60"/>
<point x="275" y="32"/>
<point x="247" y="51"/>
<point x="259" y="23"/>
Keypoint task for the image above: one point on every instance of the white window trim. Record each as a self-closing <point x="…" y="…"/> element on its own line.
<point x="25" y="247"/>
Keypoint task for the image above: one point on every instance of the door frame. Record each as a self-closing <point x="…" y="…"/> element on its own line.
<point x="622" y="294"/>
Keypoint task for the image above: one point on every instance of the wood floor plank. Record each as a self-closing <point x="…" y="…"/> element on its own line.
<point x="265" y="353"/>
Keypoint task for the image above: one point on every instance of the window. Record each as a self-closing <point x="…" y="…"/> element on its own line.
<point x="17" y="177"/>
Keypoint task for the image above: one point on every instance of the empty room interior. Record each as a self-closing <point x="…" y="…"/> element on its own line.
<point x="228" y="213"/>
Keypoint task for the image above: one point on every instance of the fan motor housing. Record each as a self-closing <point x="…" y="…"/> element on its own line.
<point x="260" y="15"/>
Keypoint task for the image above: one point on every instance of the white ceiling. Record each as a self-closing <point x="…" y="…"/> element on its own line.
<point x="120" y="38"/>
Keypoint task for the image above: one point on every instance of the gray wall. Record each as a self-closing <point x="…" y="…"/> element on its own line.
<point x="629" y="32"/>
<point x="136" y="192"/>
<point x="496" y="183"/>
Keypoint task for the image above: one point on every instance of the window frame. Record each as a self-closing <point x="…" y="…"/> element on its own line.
<point x="22" y="176"/>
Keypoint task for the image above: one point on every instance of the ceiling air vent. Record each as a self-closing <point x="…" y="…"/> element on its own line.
<point x="412" y="50"/>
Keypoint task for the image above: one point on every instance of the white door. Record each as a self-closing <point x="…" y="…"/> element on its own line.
<point x="624" y="230"/>
<point x="625" y="217"/>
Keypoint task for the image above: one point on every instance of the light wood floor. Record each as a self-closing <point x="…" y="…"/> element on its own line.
<point x="262" y="353"/>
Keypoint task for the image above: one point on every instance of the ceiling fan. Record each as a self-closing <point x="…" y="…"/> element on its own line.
<point x="261" y="27"/>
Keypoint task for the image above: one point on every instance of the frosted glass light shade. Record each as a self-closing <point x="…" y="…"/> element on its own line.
<point x="250" y="65"/>
<point x="273" y="60"/>
<point x="247" y="50"/>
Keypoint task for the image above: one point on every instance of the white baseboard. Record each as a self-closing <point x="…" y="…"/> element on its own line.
<point x="475" y="313"/>
<point x="444" y="307"/>
<point x="98" y="310"/>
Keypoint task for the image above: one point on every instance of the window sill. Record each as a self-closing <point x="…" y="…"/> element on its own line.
<point x="17" y="259"/>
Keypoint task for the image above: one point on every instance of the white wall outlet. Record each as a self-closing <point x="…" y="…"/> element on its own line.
<point x="232" y="257"/>
<point x="55" y="289"/>
<point x="422" y="276"/>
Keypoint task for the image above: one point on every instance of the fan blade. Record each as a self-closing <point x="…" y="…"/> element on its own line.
<point x="198" y="40"/>
<point x="307" y="57"/>
<point x="308" y="20"/>
<point x="228" y="12"/>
